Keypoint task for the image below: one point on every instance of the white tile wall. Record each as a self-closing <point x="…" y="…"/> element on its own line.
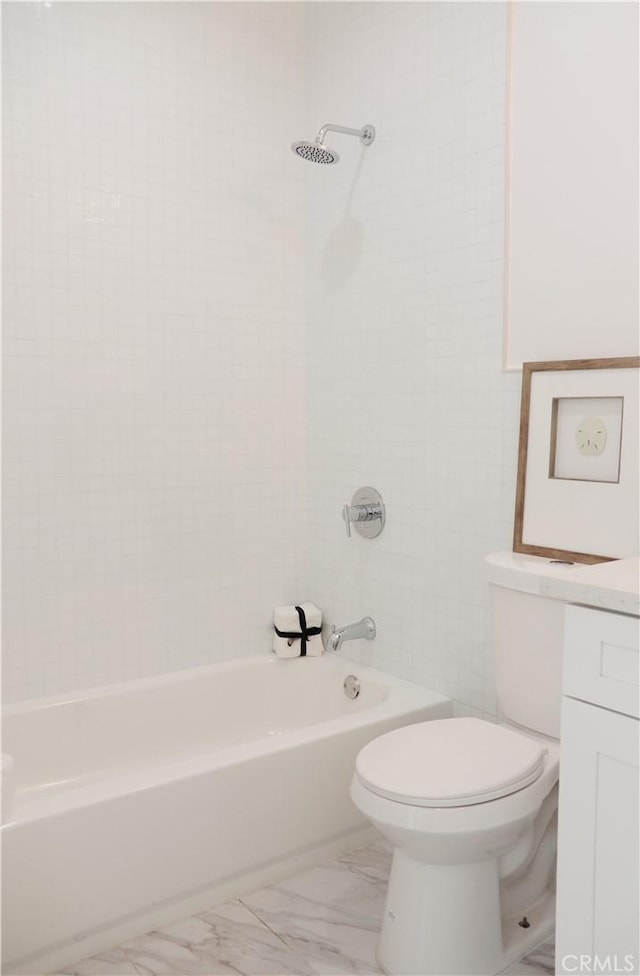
<point x="153" y="324"/>
<point x="405" y="333"/>
<point x="165" y="257"/>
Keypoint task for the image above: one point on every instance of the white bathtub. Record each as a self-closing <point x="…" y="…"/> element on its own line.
<point x="137" y="803"/>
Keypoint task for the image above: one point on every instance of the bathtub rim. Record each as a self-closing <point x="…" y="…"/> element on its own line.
<point x="182" y="675"/>
<point x="29" y="806"/>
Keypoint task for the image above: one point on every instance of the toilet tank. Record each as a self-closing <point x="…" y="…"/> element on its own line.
<point x="527" y="632"/>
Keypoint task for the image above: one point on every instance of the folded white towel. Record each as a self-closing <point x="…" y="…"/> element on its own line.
<point x="287" y="621"/>
<point x="283" y="648"/>
<point x="288" y="618"/>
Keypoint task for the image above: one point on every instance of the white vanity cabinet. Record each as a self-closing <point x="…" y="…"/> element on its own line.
<point x="599" y="823"/>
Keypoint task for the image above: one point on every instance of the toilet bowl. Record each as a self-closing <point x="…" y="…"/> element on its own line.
<point x="470" y="806"/>
<point x="466" y="826"/>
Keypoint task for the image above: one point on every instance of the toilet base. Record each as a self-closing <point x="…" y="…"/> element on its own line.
<point x="445" y="920"/>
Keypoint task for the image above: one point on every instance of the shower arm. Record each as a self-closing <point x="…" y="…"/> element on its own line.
<point x="366" y="134"/>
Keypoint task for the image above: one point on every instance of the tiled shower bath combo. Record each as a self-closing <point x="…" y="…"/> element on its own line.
<point x="298" y="300"/>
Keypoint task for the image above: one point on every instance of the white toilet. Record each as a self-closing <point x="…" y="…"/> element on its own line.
<point x="470" y="806"/>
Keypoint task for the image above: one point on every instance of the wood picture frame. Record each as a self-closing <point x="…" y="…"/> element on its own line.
<point x="581" y="518"/>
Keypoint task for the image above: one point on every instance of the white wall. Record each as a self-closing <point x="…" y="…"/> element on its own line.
<point x="153" y="316"/>
<point x="406" y="387"/>
<point x="209" y="342"/>
<point x="573" y="263"/>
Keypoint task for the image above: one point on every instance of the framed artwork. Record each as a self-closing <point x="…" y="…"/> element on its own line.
<point x="578" y="460"/>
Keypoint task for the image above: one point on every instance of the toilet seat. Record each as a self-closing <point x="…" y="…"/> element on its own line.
<point x="453" y="762"/>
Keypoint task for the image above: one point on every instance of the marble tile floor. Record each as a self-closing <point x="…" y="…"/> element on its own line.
<point x="323" y="922"/>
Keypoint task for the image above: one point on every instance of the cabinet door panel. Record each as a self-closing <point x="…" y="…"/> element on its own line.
<point x="598" y="858"/>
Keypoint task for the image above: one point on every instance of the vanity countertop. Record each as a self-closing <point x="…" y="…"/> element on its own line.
<point x="607" y="586"/>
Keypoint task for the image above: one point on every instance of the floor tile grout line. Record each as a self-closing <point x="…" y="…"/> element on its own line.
<point x="264" y="922"/>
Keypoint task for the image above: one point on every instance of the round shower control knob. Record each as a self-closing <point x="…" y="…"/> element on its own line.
<point x="366" y="513"/>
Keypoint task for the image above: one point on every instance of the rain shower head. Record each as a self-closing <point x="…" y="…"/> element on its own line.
<point x="317" y="152"/>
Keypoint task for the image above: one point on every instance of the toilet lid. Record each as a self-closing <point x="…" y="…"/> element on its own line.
<point x="451" y="762"/>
